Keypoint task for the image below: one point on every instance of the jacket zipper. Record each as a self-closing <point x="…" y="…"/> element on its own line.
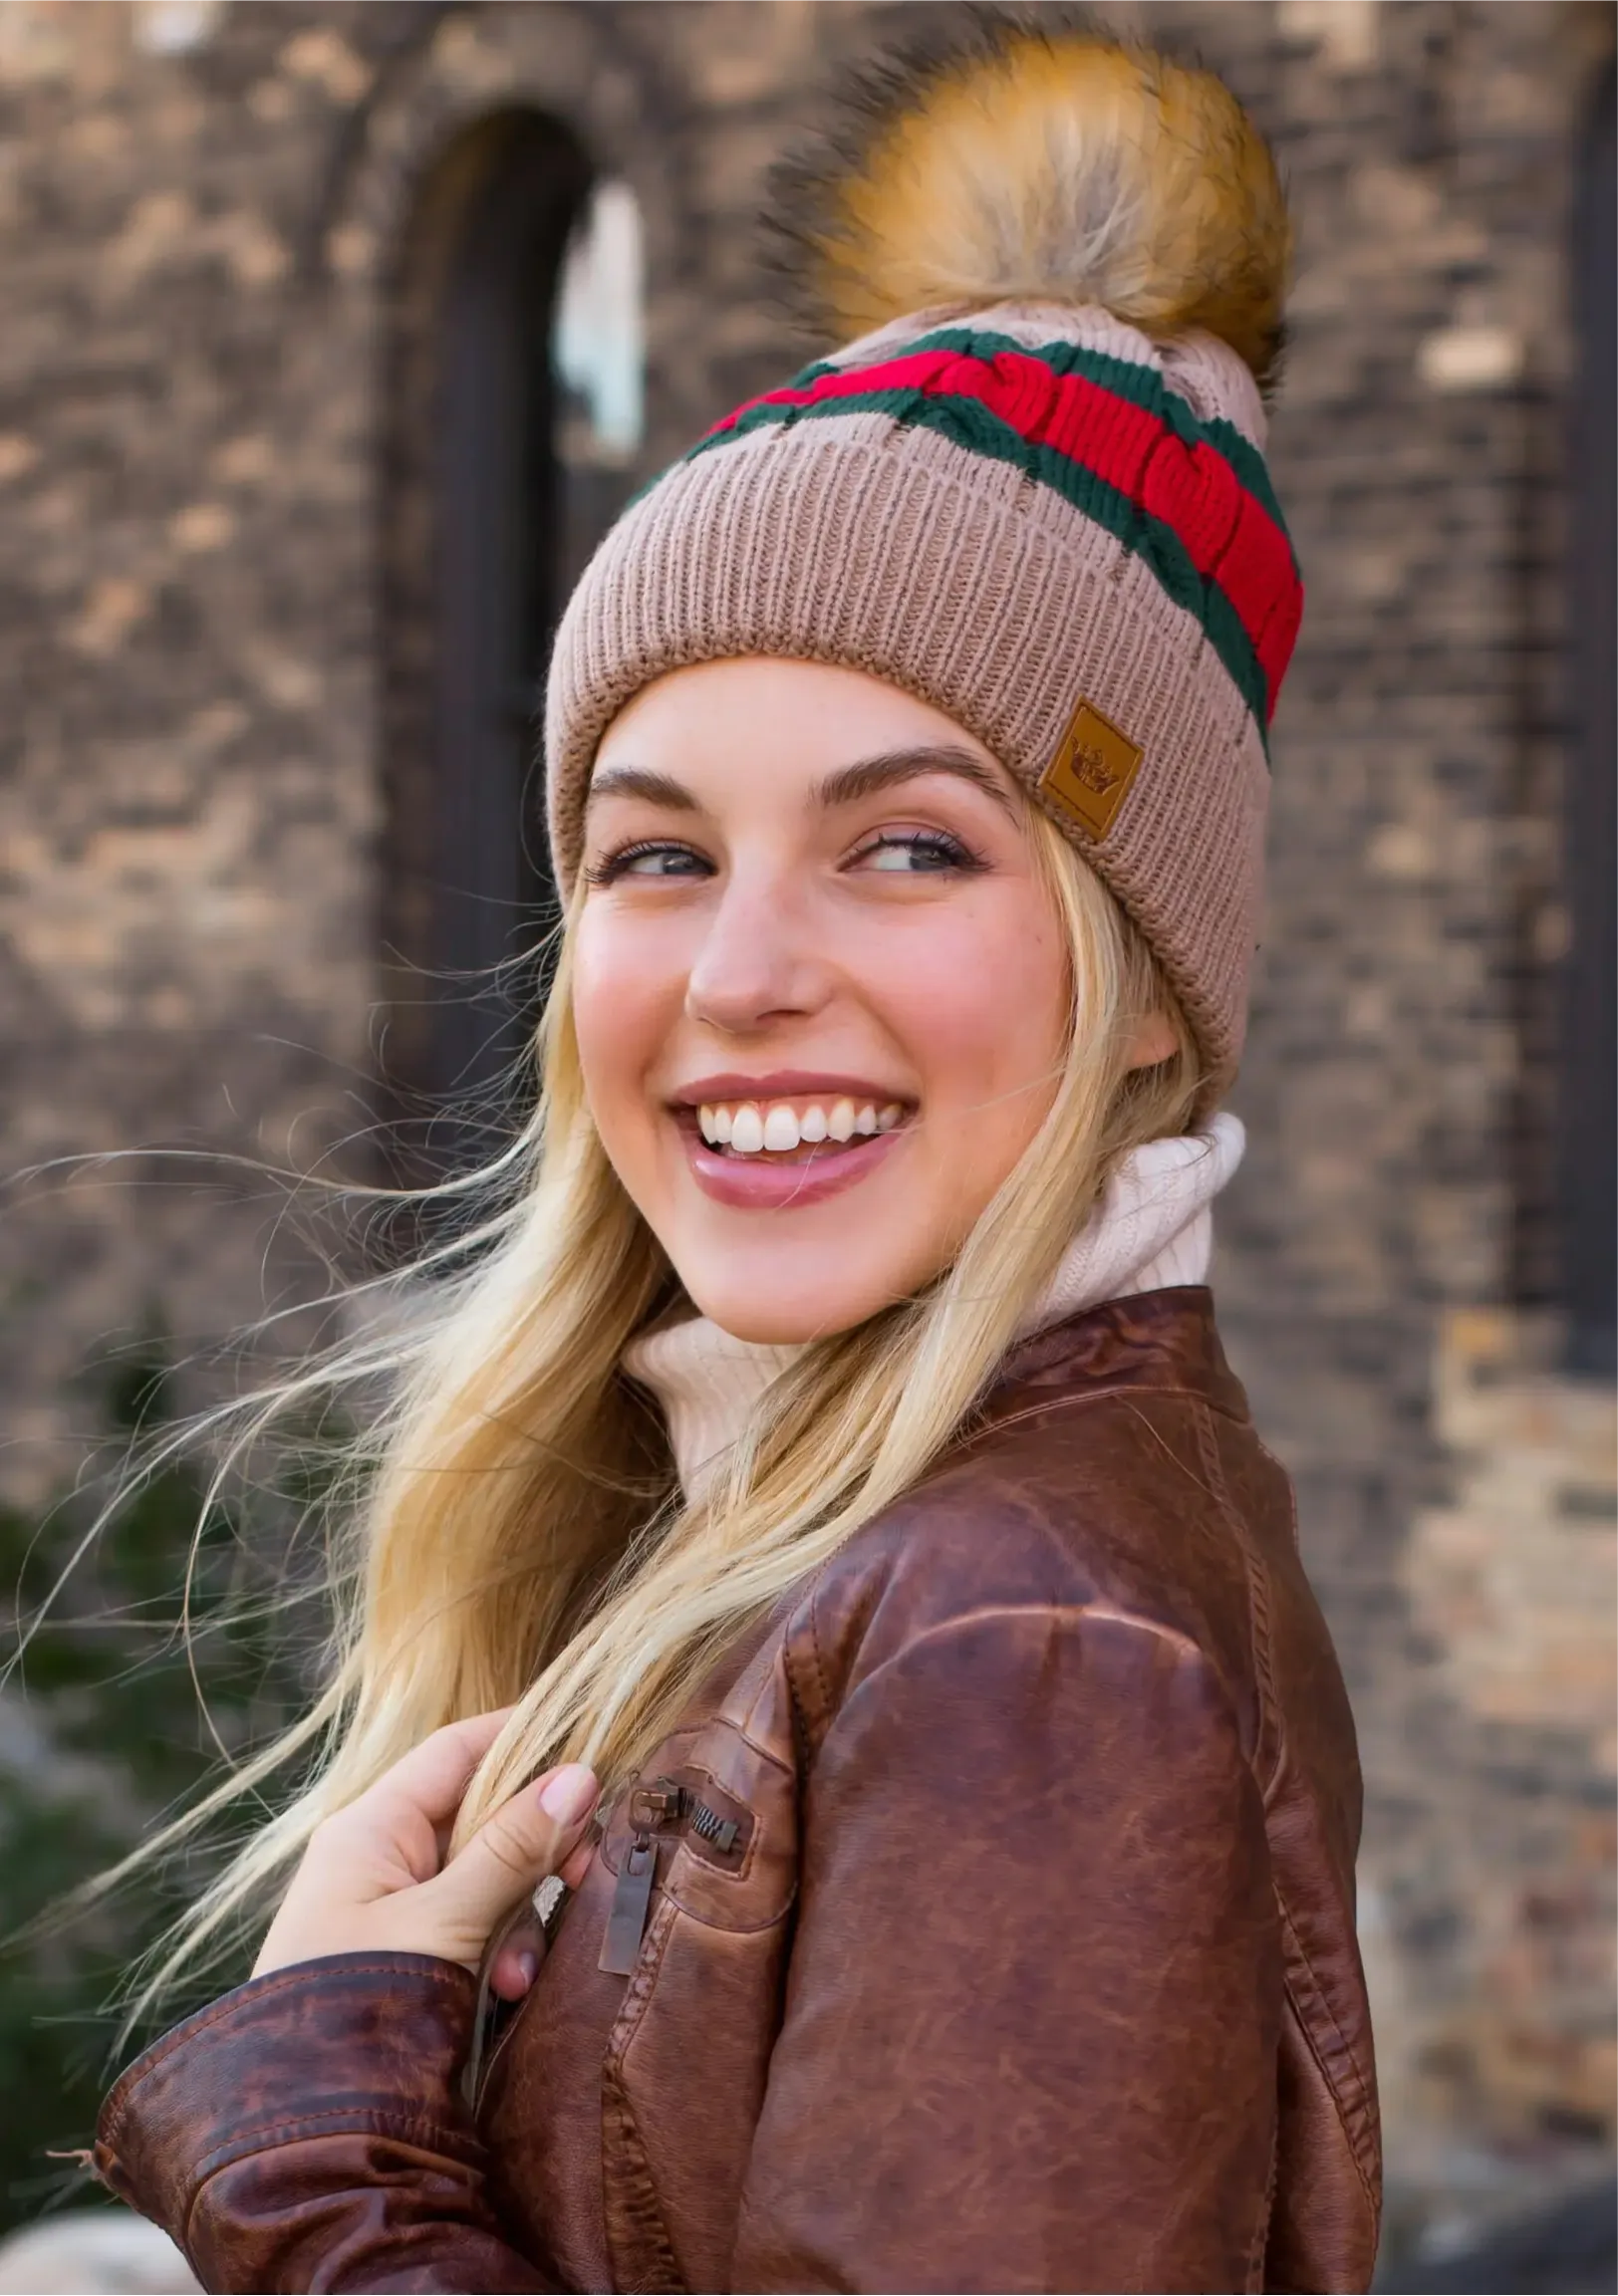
<point x="656" y="1811"/>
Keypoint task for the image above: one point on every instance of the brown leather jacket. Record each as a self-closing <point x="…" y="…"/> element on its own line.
<point x="988" y="1926"/>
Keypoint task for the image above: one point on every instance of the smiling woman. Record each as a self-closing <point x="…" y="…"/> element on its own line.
<point x="848" y="951"/>
<point x="828" y="1452"/>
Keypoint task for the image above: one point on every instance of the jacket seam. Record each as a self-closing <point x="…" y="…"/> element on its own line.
<point x="1070" y="1402"/>
<point x="300" y="1973"/>
<point x="649" y="2226"/>
<point x="756" y="1676"/>
<point x="1258" y="1611"/>
<point x="443" y="2140"/>
<point x="406" y="2128"/>
<point x="1267" y="1454"/>
<point x="809" y="1605"/>
<point x="668" y="1896"/>
<point x="1076" y="1614"/>
<point x="765" y="1660"/>
<point x="1259" y="2245"/>
<point x="1297" y="1954"/>
<point x="755" y="1746"/>
<point x="822" y="1700"/>
<point x="802" y="1743"/>
<point x="857" y="1628"/>
<point x="1298" y="1957"/>
<point x="804" y="1607"/>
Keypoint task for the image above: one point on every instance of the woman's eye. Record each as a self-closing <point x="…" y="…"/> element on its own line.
<point x="913" y="852"/>
<point x="647" y="859"/>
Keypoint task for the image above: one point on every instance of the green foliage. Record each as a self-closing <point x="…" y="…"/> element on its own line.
<point x="117" y="1712"/>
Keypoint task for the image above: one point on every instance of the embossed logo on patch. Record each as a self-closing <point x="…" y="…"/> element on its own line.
<point x="1090" y="773"/>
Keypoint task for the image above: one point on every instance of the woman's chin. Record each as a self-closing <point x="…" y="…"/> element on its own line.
<point x="779" y="1328"/>
<point x="771" y="1305"/>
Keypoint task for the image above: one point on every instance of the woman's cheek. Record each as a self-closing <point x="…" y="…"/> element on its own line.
<point x="621" y="1022"/>
<point x="984" y="1013"/>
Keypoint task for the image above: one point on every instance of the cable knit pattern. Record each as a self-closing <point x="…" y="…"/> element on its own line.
<point x="1153" y="1228"/>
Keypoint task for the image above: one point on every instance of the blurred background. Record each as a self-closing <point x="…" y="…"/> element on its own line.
<point x="331" y="337"/>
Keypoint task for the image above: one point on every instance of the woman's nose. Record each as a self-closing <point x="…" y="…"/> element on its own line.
<point x="756" y="961"/>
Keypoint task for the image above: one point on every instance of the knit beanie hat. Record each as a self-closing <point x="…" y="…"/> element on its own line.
<point x="1031" y="491"/>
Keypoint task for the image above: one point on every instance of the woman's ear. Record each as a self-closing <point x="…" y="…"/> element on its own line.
<point x="1155" y="1040"/>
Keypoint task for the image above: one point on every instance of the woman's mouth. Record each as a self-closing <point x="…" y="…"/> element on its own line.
<point x="780" y="1153"/>
<point x="794" y="1128"/>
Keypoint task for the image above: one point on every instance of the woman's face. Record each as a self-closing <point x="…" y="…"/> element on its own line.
<point x="820" y="987"/>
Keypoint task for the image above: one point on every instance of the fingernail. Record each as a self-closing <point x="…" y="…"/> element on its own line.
<point x="568" y="1794"/>
<point x="527" y="1967"/>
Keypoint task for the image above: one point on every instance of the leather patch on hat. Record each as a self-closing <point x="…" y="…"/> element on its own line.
<point x="1090" y="773"/>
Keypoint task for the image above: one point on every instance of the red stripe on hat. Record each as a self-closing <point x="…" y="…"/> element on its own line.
<point x="1227" y="534"/>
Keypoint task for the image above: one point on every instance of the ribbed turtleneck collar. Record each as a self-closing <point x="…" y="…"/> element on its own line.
<point x="1153" y="1227"/>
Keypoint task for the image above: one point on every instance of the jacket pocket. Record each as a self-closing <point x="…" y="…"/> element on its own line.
<point x="683" y="2076"/>
<point x="670" y="1811"/>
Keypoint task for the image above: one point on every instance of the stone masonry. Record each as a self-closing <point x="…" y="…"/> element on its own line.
<point x="201" y="204"/>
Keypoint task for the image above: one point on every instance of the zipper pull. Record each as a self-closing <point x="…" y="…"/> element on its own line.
<point x="631" y="1901"/>
<point x="655" y="1806"/>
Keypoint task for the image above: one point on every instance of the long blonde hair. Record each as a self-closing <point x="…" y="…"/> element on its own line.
<point x="516" y="1534"/>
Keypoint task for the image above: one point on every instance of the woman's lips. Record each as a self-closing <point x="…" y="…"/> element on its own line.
<point x="776" y="1183"/>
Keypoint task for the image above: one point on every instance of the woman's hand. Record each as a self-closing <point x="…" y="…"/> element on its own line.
<point x="374" y="1877"/>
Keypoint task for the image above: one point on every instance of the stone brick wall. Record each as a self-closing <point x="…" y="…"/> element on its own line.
<point x="200" y="209"/>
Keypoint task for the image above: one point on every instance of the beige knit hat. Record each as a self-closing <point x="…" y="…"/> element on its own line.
<point x="1033" y="494"/>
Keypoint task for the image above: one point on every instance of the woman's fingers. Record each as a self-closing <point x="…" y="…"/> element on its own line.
<point x="514" y="1965"/>
<point x="516" y="1961"/>
<point x="533" y="1834"/>
<point x="576" y="1863"/>
<point x="432" y="1779"/>
<point x="372" y="1879"/>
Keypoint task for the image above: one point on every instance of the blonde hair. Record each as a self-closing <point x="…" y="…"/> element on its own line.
<point x="521" y="1540"/>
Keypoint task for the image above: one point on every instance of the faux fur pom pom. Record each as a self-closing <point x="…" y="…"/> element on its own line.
<point x="1044" y="164"/>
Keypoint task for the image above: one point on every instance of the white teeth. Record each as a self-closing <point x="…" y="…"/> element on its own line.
<point x="780" y="1129"/>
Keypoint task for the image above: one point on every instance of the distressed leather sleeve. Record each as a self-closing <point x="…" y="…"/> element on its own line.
<point x="1033" y="2003"/>
<point x="306" y="2132"/>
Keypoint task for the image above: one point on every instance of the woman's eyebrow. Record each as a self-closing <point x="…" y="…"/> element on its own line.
<point x="867" y="777"/>
<point x="870" y="776"/>
<point x="638" y="781"/>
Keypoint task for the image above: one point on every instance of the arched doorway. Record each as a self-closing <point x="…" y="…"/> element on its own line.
<point x="1589" y="1071"/>
<point x="485" y="519"/>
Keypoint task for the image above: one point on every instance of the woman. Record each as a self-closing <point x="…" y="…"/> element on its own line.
<point x="830" y="1451"/>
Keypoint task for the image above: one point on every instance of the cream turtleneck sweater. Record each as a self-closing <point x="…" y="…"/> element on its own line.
<point x="1153" y="1227"/>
